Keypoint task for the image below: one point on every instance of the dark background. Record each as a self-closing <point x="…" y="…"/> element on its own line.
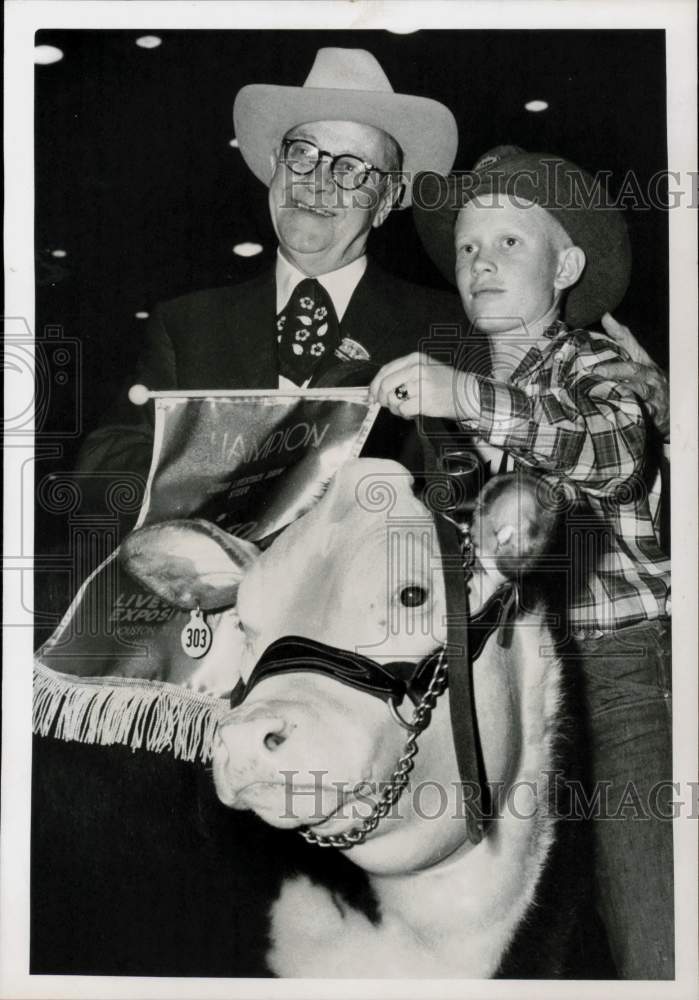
<point x="136" y="181"/>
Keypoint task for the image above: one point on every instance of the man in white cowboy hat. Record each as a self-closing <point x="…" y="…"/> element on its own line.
<point x="338" y="154"/>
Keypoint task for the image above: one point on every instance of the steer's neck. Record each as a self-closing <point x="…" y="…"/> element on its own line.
<point x="467" y="908"/>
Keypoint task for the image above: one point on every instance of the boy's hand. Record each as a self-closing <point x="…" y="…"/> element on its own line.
<point x="640" y="376"/>
<point x="418" y="384"/>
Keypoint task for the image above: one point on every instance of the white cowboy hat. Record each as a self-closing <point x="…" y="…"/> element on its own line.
<point x="345" y="85"/>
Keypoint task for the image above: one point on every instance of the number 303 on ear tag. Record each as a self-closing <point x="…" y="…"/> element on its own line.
<point x="196" y="635"/>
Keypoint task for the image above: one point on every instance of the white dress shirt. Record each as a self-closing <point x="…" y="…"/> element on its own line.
<point x="339" y="285"/>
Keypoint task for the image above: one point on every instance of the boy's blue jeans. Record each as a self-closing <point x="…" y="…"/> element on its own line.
<point x="627" y="676"/>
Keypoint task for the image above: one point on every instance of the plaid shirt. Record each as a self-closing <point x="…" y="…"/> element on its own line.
<point x="560" y="420"/>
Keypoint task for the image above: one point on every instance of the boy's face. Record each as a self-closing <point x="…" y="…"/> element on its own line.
<point x="507" y="262"/>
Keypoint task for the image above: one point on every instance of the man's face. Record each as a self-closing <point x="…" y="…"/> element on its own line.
<point x="507" y="262"/>
<point x="321" y="226"/>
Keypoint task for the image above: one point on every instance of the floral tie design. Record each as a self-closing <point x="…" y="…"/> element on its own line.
<point x="307" y="331"/>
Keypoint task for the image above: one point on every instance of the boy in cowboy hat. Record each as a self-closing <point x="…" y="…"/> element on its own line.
<point x="535" y="264"/>
<point x="337" y="155"/>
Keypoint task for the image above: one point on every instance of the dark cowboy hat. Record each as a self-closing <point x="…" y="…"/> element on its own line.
<point x="567" y="192"/>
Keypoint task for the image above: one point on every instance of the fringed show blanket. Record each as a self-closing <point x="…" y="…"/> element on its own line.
<point x="114" y="671"/>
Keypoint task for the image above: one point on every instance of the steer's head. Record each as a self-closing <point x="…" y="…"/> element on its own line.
<point x="313" y="740"/>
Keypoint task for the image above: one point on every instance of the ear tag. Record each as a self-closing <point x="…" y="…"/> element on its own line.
<point x="196" y="635"/>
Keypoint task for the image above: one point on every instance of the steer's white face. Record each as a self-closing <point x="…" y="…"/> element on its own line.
<point x="360" y="572"/>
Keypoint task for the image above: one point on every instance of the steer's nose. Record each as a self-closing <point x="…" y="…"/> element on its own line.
<point x="248" y="736"/>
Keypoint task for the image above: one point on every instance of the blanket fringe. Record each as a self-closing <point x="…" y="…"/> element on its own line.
<point x="121" y="710"/>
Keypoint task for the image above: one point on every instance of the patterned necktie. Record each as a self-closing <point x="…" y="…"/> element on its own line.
<point x="308" y="331"/>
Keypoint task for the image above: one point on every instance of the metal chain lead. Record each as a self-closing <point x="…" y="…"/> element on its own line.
<point x="399" y="779"/>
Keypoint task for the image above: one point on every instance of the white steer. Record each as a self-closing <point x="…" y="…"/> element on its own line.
<point x="306" y="749"/>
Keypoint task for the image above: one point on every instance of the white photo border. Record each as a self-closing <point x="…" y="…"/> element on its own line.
<point x="23" y="18"/>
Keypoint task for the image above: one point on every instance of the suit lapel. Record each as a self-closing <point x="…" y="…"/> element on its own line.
<point x="368" y="318"/>
<point x="251" y="328"/>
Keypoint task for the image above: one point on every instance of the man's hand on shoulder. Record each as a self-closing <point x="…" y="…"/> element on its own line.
<point x="640" y="376"/>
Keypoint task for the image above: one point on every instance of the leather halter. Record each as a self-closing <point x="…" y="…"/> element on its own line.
<point x="392" y="681"/>
<point x="389" y="682"/>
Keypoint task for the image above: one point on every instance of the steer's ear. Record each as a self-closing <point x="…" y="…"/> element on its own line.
<point x="512" y="526"/>
<point x="188" y="562"/>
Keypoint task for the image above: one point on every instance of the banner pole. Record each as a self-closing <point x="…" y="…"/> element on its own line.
<point x="140" y="394"/>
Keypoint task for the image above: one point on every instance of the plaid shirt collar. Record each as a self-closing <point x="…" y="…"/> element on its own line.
<point x="535" y="356"/>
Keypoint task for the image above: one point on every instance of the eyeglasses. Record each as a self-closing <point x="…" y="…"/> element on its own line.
<point x="349" y="172"/>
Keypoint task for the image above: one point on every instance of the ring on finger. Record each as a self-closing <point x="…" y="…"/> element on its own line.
<point x="401" y="392"/>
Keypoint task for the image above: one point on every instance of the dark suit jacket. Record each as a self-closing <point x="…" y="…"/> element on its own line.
<point x="226" y="338"/>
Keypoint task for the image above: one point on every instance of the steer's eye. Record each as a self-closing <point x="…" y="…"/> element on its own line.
<point x="413" y="597"/>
